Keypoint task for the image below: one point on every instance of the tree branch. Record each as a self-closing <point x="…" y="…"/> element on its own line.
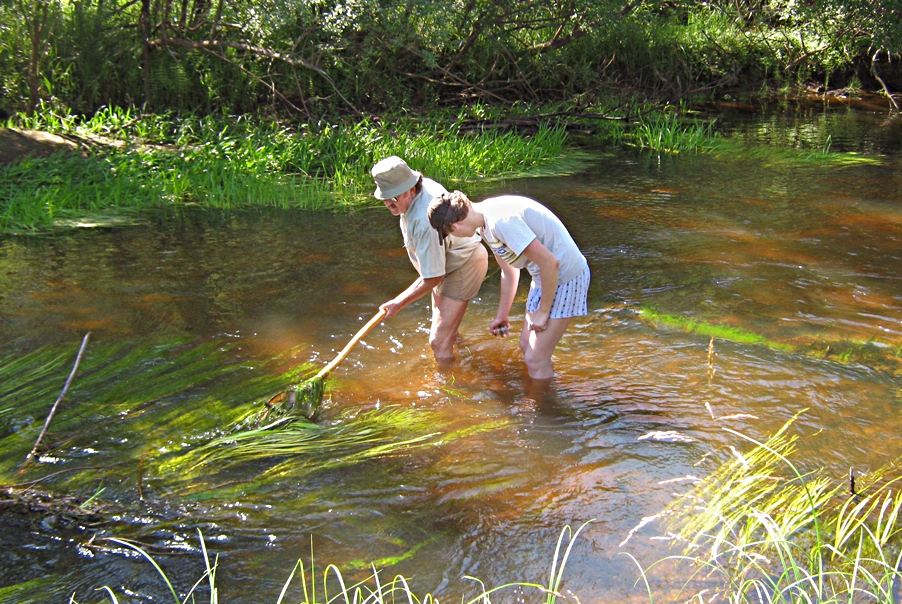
<point x="208" y="45"/>
<point x="81" y="351"/>
<point x="874" y="58"/>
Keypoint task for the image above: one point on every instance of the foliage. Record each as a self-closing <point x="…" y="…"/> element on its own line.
<point x="722" y="332"/>
<point x="354" y="57"/>
<point x="669" y="133"/>
<point x="196" y="389"/>
<point x="370" y="435"/>
<point x="768" y="531"/>
<point x="169" y="373"/>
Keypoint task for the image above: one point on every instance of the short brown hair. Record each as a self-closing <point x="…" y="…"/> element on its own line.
<point x="445" y="210"/>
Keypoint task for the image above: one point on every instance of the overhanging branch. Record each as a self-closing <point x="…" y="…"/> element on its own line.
<point x="208" y="45"/>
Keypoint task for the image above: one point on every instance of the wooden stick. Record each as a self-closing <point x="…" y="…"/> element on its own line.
<point x="81" y="351"/>
<point x="347" y="349"/>
<point x="283" y="396"/>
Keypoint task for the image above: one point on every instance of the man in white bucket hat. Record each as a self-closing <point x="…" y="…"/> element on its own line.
<point x="452" y="270"/>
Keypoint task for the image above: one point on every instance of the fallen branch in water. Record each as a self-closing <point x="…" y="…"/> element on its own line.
<point x="34" y="450"/>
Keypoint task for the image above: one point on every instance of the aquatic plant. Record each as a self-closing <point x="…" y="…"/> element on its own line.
<point x="333" y="587"/>
<point x="159" y="388"/>
<point x="881" y="357"/>
<point x="706" y="328"/>
<point x="776" y="154"/>
<point x="669" y="132"/>
<point x="303" y="400"/>
<point x="198" y="409"/>
<point x="765" y="530"/>
<point x="23" y="593"/>
<point x="373" y="433"/>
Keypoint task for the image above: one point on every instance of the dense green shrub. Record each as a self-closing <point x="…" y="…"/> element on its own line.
<point x="337" y="57"/>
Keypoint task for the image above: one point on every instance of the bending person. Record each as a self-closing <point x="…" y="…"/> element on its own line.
<point x="451" y="269"/>
<point x="523" y="233"/>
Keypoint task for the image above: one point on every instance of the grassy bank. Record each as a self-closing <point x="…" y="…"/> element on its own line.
<point x="129" y="162"/>
<point x="133" y="162"/>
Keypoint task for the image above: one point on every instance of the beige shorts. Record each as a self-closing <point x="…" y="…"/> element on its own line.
<point x="463" y="283"/>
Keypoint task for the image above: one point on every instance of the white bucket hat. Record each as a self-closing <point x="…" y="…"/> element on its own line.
<point x="393" y="176"/>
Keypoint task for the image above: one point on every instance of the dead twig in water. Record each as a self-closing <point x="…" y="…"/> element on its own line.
<point x="141" y="476"/>
<point x="31" y="483"/>
<point x="34" y="450"/>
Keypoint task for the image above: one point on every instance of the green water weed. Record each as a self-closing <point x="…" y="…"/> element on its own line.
<point x="709" y="329"/>
<point x="870" y="354"/>
<point x="765" y="530"/>
<point x="162" y="389"/>
<point x="315" y="447"/>
<point x="25" y="593"/>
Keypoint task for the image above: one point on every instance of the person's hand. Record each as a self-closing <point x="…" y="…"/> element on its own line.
<point x="500" y="327"/>
<point x="391" y="308"/>
<point x="538" y="320"/>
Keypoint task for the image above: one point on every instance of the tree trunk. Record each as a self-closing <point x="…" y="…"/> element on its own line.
<point x="37" y="20"/>
<point x="144" y="27"/>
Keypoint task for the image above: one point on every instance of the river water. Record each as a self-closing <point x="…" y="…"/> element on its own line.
<point x="803" y="252"/>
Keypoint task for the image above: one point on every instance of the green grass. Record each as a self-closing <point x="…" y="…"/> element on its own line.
<point x="333" y="587"/>
<point x="764" y="530"/>
<point x="668" y="132"/>
<point x="139" y="162"/>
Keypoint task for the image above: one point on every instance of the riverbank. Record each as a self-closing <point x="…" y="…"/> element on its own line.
<point x="137" y="162"/>
<point x="17" y="144"/>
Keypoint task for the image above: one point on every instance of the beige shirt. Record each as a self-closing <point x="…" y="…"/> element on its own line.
<point x="429" y="257"/>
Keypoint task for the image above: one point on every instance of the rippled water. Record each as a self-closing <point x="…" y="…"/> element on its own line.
<point x="800" y="252"/>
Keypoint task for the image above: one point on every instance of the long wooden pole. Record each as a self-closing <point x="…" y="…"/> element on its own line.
<point x="289" y="397"/>
<point x="347" y="349"/>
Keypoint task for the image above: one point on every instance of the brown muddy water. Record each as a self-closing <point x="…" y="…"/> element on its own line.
<point x="804" y="253"/>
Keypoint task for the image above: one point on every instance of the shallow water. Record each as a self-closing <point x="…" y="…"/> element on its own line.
<point x="801" y="252"/>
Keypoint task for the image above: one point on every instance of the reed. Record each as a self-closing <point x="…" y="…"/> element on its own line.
<point x="668" y="132"/>
<point x="765" y="530"/>
<point x="332" y="586"/>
